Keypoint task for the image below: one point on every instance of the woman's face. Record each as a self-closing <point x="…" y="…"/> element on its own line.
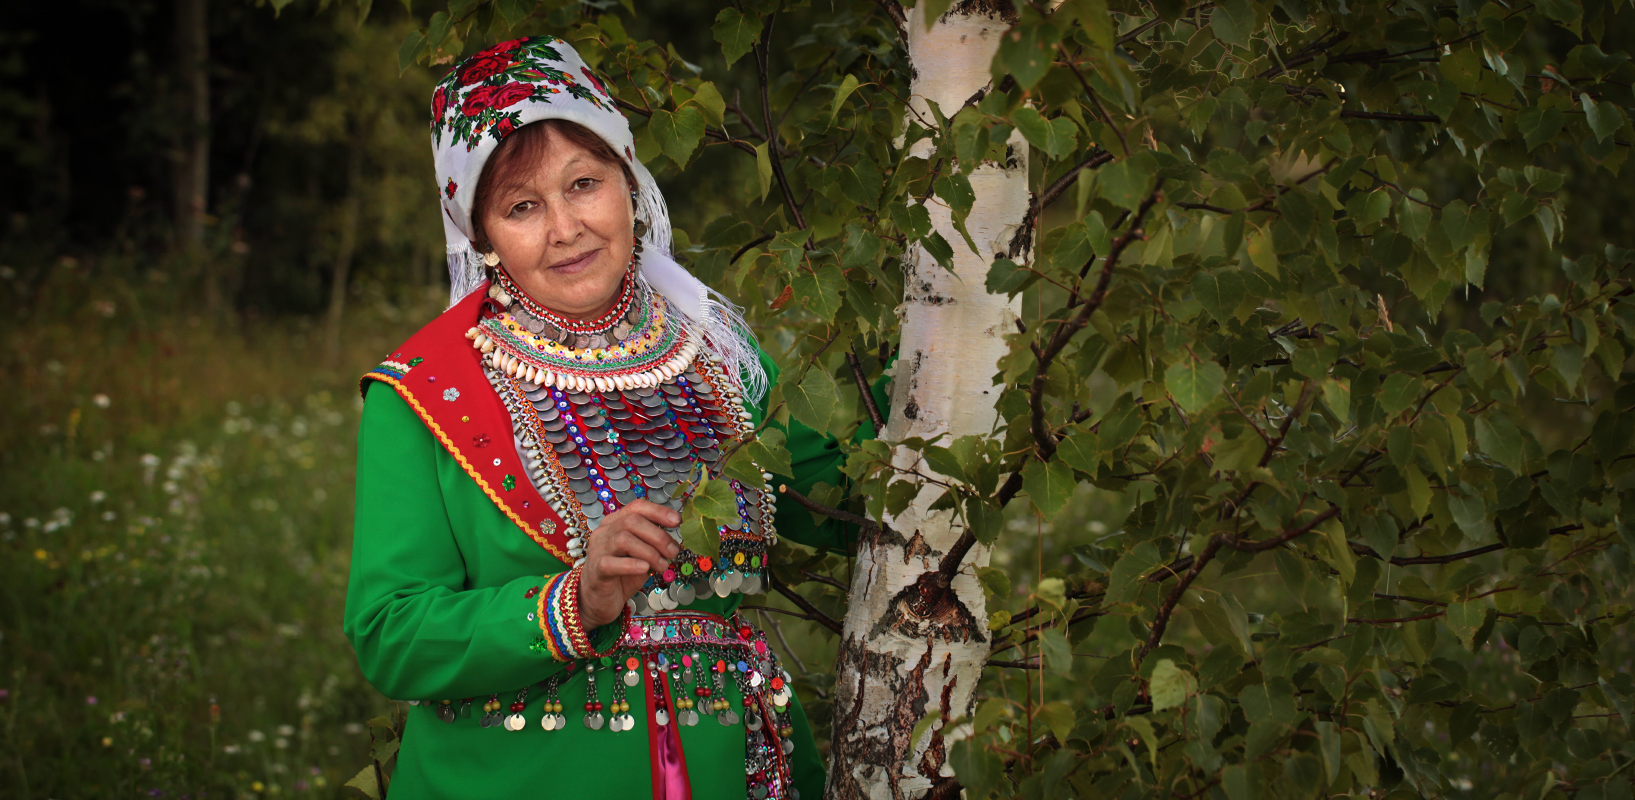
<point x="563" y="229"/>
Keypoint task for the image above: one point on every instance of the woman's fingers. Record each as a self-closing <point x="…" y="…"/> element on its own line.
<point x="627" y="543"/>
<point x="622" y="567"/>
<point x="654" y="536"/>
<point x="655" y="513"/>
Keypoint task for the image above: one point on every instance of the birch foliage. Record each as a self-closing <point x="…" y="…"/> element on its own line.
<point x="1314" y="436"/>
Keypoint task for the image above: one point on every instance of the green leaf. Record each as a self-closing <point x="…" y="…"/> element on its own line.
<point x="819" y="291"/>
<point x="677" y="132"/>
<point x="1170" y="685"/>
<point x="715" y="499"/>
<point x="1241" y="782"/>
<point x="710" y="101"/>
<point x="847" y="86"/>
<point x="1262" y="252"/>
<point x="365" y="782"/>
<point x="769" y="451"/>
<point x="1465" y="619"/>
<point x="1049" y="486"/>
<point x="1220" y="292"/>
<point x="1500" y="440"/>
<point x="1123" y="583"/>
<point x="1079" y="451"/>
<point x="1126" y="182"/>
<point x="1194" y="383"/>
<point x="1222" y="664"/>
<point x="763" y="169"/>
<point x="413" y="45"/>
<point x="736" y="33"/>
<point x="923" y="725"/>
<point x="514" y="11"/>
<point x="1054" y="137"/>
<point x="1059" y="717"/>
<point x="1233" y="21"/>
<point x="813" y="399"/>
<point x="1604" y="117"/>
<point x="1058" y="653"/>
<point x="1538" y="125"/>
<point x="1026" y="51"/>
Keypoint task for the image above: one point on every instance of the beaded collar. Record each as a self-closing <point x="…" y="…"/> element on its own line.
<point x="645" y="347"/>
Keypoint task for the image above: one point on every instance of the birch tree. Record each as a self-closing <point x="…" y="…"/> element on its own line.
<point x="1283" y="329"/>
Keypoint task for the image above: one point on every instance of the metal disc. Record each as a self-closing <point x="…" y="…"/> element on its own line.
<point x="616" y="724"/>
<point x="720" y="586"/>
<point x="445" y="713"/>
<point x="686" y="594"/>
<point x="594" y="721"/>
<point x="788" y="746"/>
<point x="629" y="722"/>
<point x="548" y="722"/>
<point x="752" y="721"/>
<point x="727" y="717"/>
<point x="631" y="678"/>
<point x="662" y="717"/>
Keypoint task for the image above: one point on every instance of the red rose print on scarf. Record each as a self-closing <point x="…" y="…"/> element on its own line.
<point x="451" y="188"/>
<point x="503" y="128"/>
<point x="484" y="98"/>
<point x="439" y="104"/>
<point x="595" y="81"/>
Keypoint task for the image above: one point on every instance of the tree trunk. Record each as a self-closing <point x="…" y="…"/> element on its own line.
<point x="909" y="647"/>
<point x="192" y="161"/>
<point x="347" y="247"/>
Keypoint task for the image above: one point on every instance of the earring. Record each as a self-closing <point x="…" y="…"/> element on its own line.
<point x="491" y="259"/>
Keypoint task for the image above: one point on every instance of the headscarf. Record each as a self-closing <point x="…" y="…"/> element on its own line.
<point x="485" y="98"/>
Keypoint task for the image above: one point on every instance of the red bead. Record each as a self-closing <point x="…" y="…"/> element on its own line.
<point x="589" y="707"/>
<point x="743" y="632"/>
<point x="598" y="705"/>
<point x="516" y="708"/>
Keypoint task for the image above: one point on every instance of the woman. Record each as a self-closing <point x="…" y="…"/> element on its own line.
<point x="516" y="570"/>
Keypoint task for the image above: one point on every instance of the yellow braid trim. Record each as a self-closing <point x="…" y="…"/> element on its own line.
<point x="448" y="444"/>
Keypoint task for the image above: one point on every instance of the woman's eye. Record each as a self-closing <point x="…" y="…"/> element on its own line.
<point x="584" y="183"/>
<point x="520" y="208"/>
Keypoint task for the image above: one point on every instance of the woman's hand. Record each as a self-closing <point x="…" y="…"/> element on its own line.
<point x="629" y="544"/>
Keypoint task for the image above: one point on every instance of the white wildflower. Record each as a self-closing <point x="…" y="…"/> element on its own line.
<point x="101" y="401"/>
<point x="98" y="496"/>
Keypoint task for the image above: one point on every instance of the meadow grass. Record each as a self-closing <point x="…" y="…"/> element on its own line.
<point x="176" y="521"/>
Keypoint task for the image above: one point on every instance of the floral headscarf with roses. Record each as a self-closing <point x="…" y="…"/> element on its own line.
<point x="491" y="94"/>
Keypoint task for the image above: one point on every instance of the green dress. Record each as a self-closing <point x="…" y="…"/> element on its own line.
<point x="440" y="607"/>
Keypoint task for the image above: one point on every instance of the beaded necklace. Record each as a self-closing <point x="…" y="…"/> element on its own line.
<point x="600" y="325"/>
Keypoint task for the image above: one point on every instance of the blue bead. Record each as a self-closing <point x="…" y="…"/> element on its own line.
<point x="743" y="667"/>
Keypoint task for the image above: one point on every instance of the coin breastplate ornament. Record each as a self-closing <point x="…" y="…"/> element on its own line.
<point x="638" y="412"/>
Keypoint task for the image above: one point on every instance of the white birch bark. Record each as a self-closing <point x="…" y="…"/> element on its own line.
<point x="905" y="653"/>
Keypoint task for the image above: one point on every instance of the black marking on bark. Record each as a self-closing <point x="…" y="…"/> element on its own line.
<point x="936" y="754"/>
<point x="911" y="409"/>
<point x="924" y="610"/>
<point x="916" y="547"/>
<point x="1001" y="9"/>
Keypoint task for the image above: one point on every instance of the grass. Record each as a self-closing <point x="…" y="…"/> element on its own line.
<point x="175" y="518"/>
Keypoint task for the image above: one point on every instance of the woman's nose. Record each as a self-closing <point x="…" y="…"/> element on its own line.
<point x="562" y="224"/>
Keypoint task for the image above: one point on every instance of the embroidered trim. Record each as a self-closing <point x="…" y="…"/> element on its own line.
<point x="550" y="620"/>
<point x="539" y="537"/>
<point x="566" y="638"/>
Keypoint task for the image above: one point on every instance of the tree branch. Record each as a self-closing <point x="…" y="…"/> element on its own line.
<point x="1042" y="435"/>
<point x="775" y="150"/>
<point x="833" y="513"/>
<point x="868" y="396"/>
<point x="1216" y="542"/>
<point x="805" y="605"/>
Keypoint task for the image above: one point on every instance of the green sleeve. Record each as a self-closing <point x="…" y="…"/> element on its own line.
<point x="420" y="629"/>
<point x="814" y="458"/>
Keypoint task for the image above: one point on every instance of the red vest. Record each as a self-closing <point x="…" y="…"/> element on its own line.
<point x="440" y="374"/>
